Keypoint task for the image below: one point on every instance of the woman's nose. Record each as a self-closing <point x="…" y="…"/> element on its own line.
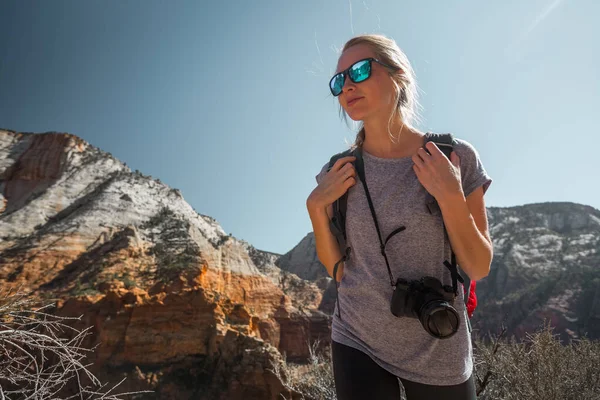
<point x="348" y="84"/>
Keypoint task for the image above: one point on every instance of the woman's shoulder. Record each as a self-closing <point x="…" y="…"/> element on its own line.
<point x="466" y="151"/>
<point x="322" y="172"/>
<point x="473" y="172"/>
<point x="462" y="145"/>
<point x="331" y="160"/>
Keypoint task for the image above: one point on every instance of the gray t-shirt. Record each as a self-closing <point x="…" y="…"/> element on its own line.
<point x="401" y="345"/>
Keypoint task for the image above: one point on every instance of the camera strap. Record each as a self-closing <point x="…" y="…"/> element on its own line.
<point x="452" y="266"/>
<point x="433" y="207"/>
<point x="360" y="170"/>
<point x="454" y="273"/>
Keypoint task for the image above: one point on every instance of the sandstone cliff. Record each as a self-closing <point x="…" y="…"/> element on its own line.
<point x="175" y="303"/>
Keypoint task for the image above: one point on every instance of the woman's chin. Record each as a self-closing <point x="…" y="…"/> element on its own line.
<point x="356" y="115"/>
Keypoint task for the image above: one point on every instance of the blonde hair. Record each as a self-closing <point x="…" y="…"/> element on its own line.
<point x="387" y="51"/>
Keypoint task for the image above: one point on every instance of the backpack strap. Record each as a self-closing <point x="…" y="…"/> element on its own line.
<point x="445" y="142"/>
<point x="337" y="224"/>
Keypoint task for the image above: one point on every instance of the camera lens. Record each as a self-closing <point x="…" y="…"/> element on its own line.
<point x="439" y="319"/>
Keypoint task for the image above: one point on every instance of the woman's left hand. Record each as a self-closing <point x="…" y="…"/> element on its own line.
<point x="438" y="175"/>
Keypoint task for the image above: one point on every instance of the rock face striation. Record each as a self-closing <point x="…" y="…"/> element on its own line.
<point x="174" y="303"/>
<point x="546" y="268"/>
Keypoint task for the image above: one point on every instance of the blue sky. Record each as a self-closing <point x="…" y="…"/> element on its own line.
<point x="228" y="100"/>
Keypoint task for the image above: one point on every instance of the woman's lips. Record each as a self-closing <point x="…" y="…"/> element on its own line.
<point x="351" y="102"/>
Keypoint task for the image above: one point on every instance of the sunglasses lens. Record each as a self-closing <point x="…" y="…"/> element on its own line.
<point x="336" y="84"/>
<point x="360" y="71"/>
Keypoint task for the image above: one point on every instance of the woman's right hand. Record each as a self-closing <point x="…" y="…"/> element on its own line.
<point x="331" y="187"/>
<point x="334" y="184"/>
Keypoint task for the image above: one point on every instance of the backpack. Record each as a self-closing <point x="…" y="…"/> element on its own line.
<point x="337" y="223"/>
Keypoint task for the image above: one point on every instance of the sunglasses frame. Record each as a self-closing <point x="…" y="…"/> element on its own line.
<point x="345" y="73"/>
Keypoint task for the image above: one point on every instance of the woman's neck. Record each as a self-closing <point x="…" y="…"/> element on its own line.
<point x="378" y="142"/>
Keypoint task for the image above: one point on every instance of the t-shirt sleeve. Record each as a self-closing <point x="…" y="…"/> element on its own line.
<point x="322" y="173"/>
<point x="473" y="173"/>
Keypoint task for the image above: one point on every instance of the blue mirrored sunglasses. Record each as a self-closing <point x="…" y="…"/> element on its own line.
<point x="358" y="72"/>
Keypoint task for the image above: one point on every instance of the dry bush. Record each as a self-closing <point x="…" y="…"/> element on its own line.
<point x="41" y="356"/>
<point x="311" y="381"/>
<point x="540" y="367"/>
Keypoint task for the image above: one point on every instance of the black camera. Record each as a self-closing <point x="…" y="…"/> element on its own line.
<point x="430" y="302"/>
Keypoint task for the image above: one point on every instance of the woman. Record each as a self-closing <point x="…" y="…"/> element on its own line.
<point x="371" y="347"/>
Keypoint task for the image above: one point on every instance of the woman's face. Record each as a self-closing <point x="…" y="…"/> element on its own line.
<point x="374" y="97"/>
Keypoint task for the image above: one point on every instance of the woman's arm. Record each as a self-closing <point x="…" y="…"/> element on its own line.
<point x="331" y="186"/>
<point x="328" y="250"/>
<point x="467" y="227"/>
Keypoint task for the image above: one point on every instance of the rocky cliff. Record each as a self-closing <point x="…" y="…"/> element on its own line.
<point x="175" y="303"/>
<point x="546" y="267"/>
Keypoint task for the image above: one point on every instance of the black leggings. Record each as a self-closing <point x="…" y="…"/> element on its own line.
<point x="358" y="377"/>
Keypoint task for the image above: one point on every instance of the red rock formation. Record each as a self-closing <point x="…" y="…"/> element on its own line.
<point x="165" y="291"/>
<point x="39" y="166"/>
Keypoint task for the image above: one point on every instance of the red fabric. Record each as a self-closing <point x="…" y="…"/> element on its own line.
<point x="472" y="300"/>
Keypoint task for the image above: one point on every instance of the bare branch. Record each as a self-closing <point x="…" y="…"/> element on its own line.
<point x="37" y="361"/>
